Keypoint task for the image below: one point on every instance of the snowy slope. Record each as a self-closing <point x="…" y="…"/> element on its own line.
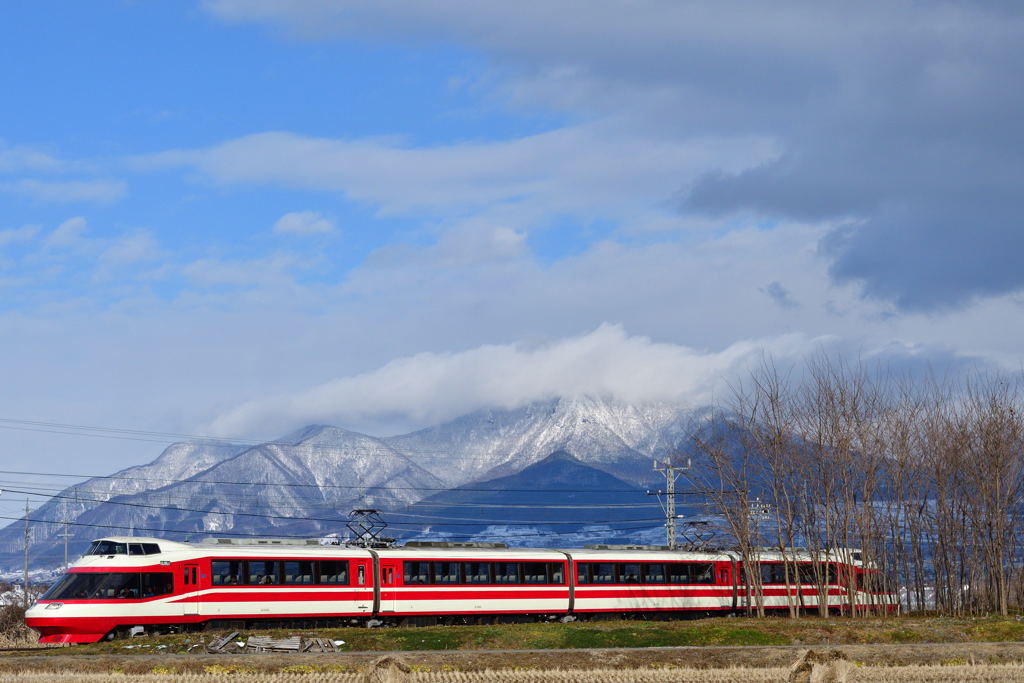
<point x="307" y="482"/>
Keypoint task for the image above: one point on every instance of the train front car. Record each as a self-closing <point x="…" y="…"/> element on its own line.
<point x="121" y="581"/>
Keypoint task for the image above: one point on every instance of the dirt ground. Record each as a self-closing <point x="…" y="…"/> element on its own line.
<point x="947" y="654"/>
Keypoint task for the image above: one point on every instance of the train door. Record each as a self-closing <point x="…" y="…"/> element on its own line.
<point x="190" y="584"/>
<point x="389" y="571"/>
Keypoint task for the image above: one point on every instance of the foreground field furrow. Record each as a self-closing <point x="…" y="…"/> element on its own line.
<point x="907" y="674"/>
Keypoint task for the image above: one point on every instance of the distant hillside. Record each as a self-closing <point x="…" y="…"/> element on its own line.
<point x="553" y="498"/>
<point x="306" y="482"/>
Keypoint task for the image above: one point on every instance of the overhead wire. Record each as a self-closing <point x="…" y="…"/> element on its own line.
<point x="462" y="522"/>
<point x="361" y="487"/>
<point x="194" y="532"/>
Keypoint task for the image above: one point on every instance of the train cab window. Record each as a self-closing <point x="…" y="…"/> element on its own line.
<point x="654" y="572"/>
<point x="107" y="548"/>
<point x="629" y="573"/>
<point x="602" y="572"/>
<point x="136" y="549"/>
<point x="416" y="573"/>
<point x="150" y="549"/>
<point x="446" y="573"/>
<point x="476" y="572"/>
<point x="298" y="572"/>
<point x="334" y="572"/>
<point x="263" y="572"/>
<point x="156" y="583"/>
<point x="506" y="572"/>
<point x="226" y="572"/>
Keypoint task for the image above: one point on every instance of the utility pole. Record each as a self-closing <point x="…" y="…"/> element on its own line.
<point x="671" y="474"/>
<point x="27" y="540"/>
<point x="66" y="534"/>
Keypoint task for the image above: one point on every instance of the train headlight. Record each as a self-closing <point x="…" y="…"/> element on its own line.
<point x="55" y="605"/>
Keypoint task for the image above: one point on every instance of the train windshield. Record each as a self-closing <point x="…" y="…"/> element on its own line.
<point x="104" y="547"/>
<point x="114" y="585"/>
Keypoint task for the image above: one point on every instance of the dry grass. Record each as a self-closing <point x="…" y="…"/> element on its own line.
<point x="907" y="674"/>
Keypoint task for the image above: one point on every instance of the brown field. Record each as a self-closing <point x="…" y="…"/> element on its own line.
<point x="909" y="674"/>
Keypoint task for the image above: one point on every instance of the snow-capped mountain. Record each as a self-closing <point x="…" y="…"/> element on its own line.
<point x="617" y="437"/>
<point x="308" y="481"/>
<point x="178" y="461"/>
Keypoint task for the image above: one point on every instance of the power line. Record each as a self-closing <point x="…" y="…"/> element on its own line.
<point x="330" y="486"/>
<point x="304" y="536"/>
<point x="176" y="437"/>
<point x="470" y="522"/>
<point x="264" y="500"/>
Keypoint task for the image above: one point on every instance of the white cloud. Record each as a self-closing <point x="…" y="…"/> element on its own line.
<point x="67" y="235"/>
<point x="21" y="158"/>
<point x="101" y="191"/>
<point x="589" y="169"/>
<point x="26" y="233"/>
<point x="430" y="387"/>
<point x="129" y="249"/>
<point x="304" y="223"/>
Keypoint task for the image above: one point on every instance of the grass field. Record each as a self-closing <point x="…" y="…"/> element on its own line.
<point x="627" y="634"/>
<point x="721" y="649"/>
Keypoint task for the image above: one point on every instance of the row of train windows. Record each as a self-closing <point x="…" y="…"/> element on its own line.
<point x="284" y="572"/>
<point x="102" y="586"/>
<point x="775" y="572"/>
<point x="446" y="573"/>
<point x="644" y="572"/>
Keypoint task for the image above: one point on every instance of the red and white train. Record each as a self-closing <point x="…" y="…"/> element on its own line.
<point x="161" y="585"/>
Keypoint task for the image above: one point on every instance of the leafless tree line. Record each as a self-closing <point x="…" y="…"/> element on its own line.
<point x="924" y="477"/>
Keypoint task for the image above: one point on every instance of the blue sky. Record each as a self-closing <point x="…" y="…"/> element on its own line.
<point x="242" y="216"/>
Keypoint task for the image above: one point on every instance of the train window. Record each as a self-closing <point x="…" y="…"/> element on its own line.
<point x="602" y="572"/>
<point x="416" y="573"/>
<point x="629" y="573"/>
<point x="446" y="572"/>
<point x="654" y="572"/>
<point x="57" y="587"/>
<point x="263" y="572"/>
<point x="506" y="572"/>
<point x="135" y="549"/>
<point x="808" y="574"/>
<point x="535" y="572"/>
<point x="119" y="585"/>
<point x="334" y="572"/>
<point x="555" y="570"/>
<point x="581" y="573"/>
<point x="156" y="583"/>
<point x="226" y="572"/>
<point x="477" y="572"/>
<point x="362" y="575"/>
<point x="691" y="572"/>
<point x="774" y="573"/>
<point x="298" y="572"/>
<point x="150" y="549"/>
<point x="73" y="586"/>
<point x="107" y="548"/>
